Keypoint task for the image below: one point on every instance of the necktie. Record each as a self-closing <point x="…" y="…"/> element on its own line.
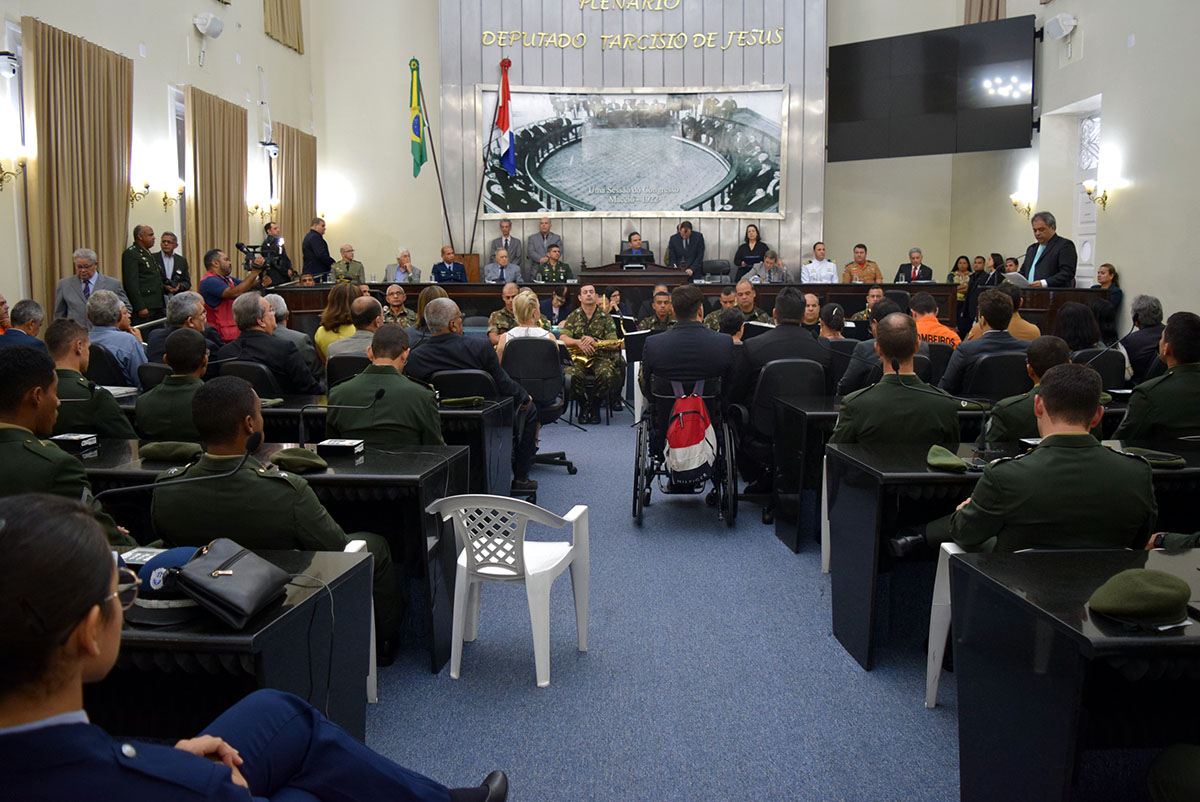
<point x="87" y="289"/>
<point x="506" y="243"/>
<point x="914" y="278"/>
<point x="1041" y="249"/>
<point x="502" y="272"/>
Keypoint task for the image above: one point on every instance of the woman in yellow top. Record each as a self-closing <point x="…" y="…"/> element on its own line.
<point x="335" y="320"/>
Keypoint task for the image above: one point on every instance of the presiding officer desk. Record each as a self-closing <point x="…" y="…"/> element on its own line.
<point x="1041" y="678"/>
<point x="382" y="491"/>
<point x="867" y="483"/>
<point x="170" y="682"/>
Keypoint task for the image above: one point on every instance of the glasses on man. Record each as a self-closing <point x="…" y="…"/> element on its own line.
<point x="127" y="588"/>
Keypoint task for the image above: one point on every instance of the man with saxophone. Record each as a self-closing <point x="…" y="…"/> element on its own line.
<point x="597" y="369"/>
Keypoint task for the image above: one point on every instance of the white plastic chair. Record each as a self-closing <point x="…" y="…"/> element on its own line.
<point x="491" y="532"/>
<point x="354" y="547"/>
<point x="939" y="623"/>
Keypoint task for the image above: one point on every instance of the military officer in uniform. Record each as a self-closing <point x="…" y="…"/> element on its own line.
<point x="662" y="317"/>
<point x="261" y="507"/>
<point x="86" y="408"/>
<point x="728" y="300"/>
<point x="1165" y="407"/>
<point x="746" y="294"/>
<point x="28" y="407"/>
<point x="348" y="268"/>
<point x="581" y="332"/>
<point x="1012" y="418"/>
<point x="861" y="270"/>
<point x="503" y="319"/>
<point x="899" y="408"/>
<point x="406" y="414"/>
<point x="874" y="296"/>
<point x="141" y="276"/>
<point x="1050" y="498"/>
<point x="165" y="412"/>
<point x="552" y="270"/>
<point x="394" y="311"/>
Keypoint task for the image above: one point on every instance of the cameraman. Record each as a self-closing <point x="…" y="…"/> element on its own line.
<point x="274" y="258"/>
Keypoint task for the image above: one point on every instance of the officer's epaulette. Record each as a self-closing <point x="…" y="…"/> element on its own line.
<point x="807" y="261"/>
<point x="858" y="392"/>
<point x="171" y="473"/>
<point x="1008" y="402"/>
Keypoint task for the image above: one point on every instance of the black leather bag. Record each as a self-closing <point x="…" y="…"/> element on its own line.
<point x="231" y="582"/>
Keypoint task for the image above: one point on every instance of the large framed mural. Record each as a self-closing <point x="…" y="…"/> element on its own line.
<point x="716" y="152"/>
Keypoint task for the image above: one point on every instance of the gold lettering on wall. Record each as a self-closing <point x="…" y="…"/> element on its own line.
<point x="755" y="37"/>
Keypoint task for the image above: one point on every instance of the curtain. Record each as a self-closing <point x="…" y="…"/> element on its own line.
<point x="216" y="177"/>
<point x="81" y="124"/>
<point x="983" y="11"/>
<point x="296" y="182"/>
<point x="281" y="22"/>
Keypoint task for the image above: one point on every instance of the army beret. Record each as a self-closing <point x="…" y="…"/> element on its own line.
<point x="466" y="402"/>
<point x="270" y="402"/>
<point x="943" y="459"/>
<point x="1143" y="597"/>
<point x="170" y="451"/>
<point x="298" y="460"/>
<point x="1157" y="459"/>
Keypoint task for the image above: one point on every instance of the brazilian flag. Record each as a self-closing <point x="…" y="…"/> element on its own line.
<point x="414" y="107"/>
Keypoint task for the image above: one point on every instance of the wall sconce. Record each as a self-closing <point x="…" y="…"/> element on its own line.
<point x="6" y="175"/>
<point x="264" y="210"/>
<point x="168" y="200"/>
<point x="135" y="196"/>
<point x="1091" y="188"/>
<point x="1022" y="205"/>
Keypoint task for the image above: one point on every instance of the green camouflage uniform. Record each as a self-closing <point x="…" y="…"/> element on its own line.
<point x="607" y="366"/>
<point x="652" y="323"/>
<point x="406" y="318"/>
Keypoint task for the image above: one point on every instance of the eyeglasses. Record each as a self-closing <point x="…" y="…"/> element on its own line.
<point x="127" y="588"/>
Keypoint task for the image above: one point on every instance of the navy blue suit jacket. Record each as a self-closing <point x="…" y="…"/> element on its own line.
<point x="15" y="336"/>
<point x="689" y="258"/>
<point x="687" y="351"/>
<point x="1057" y="265"/>
<point x="962" y="364"/>
<point x="904" y="273"/>
<point x="785" y="341"/>
<point x="547" y="307"/>
<point x="458" y="352"/>
<point x="316" y="254"/>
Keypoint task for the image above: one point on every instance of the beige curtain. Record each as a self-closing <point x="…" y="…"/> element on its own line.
<point x="216" y="177"/>
<point x="983" y="11"/>
<point x="296" y="185"/>
<point x="81" y="123"/>
<point x="281" y="22"/>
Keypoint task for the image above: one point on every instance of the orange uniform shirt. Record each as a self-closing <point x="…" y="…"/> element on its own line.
<point x="931" y="330"/>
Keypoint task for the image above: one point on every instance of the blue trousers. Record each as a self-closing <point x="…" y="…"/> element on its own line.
<point x="292" y="753"/>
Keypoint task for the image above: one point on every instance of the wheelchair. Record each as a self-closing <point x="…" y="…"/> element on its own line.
<point x="650" y="470"/>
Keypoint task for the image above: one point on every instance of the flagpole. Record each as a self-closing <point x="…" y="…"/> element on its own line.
<point x="433" y="151"/>
<point x="483" y="172"/>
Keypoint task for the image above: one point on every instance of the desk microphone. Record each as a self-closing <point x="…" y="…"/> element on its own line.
<point x="1109" y="347"/>
<point x="300" y="434"/>
<point x="252" y="444"/>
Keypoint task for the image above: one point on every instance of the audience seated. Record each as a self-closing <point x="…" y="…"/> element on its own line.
<point x="25" y="321"/>
<point x="448" y="349"/>
<point x="874" y="296"/>
<point x="256" y="322"/>
<point x="394" y="310"/>
<point x="1107" y="278"/>
<point x="335" y="319"/>
<point x="597" y="368"/>
<point x="304" y="343"/>
<point x="661" y="318"/>
<point x="995" y="313"/>
<point x="833" y="320"/>
<point x="419" y="331"/>
<point x="1142" y="343"/>
<point x="1050" y="498"/>
<point x="1076" y="324"/>
<point x="29" y="464"/>
<point x="864" y="365"/>
<point x="1018" y="327"/>
<point x="260" y="508"/>
<point x="366" y="314"/>
<point x="929" y="329"/>
<point x="786" y="341"/>
<point x="406" y="414"/>
<point x="165" y="412"/>
<point x="1165" y="407"/>
<point x="503" y="319"/>
<point x="899" y="408"/>
<point x="733" y="323"/>
<point x="728" y="300"/>
<point x="526" y="319"/>
<point x="185" y="310"/>
<point x="85" y="408"/>
<point x="554" y="308"/>
<point x="746" y="295"/>
<point x="812" y="315"/>
<point x="110" y="330"/>
<point x="1012" y="418"/>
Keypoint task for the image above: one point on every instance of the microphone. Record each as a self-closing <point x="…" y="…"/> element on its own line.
<point x="300" y="434"/>
<point x="253" y="443"/>
<point x="1109" y="347"/>
<point x="241" y="246"/>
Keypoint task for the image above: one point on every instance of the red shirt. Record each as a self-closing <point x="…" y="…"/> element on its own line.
<point x="220" y="314"/>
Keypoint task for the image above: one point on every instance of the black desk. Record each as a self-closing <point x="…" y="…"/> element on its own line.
<point x="170" y="682"/>
<point x="865" y="481"/>
<point x="384" y="492"/>
<point x="1039" y="679"/>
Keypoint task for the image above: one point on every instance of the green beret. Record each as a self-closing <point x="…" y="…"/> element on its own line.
<point x="467" y="402"/>
<point x="1143" y="597"/>
<point x="298" y="460"/>
<point x="943" y="459"/>
<point x="170" y="451"/>
<point x="1157" y="459"/>
<point x="270" y="402"/>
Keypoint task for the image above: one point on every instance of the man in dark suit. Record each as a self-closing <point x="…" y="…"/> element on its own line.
<point x="687" y="351"/>
<point x="634" y="248"/>
<point x="448" y="349"/>
<point x="995" y="312"/>
<point x="686" y="250"/>
<point x="1142" y="344"/>
<point x="184" y="311"/>
<point x="315" y="250"/>
<point x="72" y="292"/>
<point x="142" y="277"/>
<point x="556" y="314"/>
<point x="275" y="256"/>
<point x="509" y="243"/>
<point x="256" y="321"/>
<point x="25" y="321"/>
<point x="1051" y="260"/>
<point x="176" y="275"/>
<point x="864" y="367"/>
<point x="788" y="340"/>
<point x="914" y="270"/>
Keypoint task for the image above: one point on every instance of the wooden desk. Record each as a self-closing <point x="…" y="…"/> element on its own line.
<point x="865" y="481"/>
<point x="384" y="492"/>
<point x="170" y="682"/>
<point x="1040" y="678"/>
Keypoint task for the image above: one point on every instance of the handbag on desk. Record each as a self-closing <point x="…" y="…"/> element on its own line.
<point x="231" y="582"/>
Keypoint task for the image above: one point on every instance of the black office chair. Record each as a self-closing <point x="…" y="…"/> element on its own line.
<point x="535" y="365"/>
<point x="922" y="366"/>
<point x="899" y="297"/>
<point x="151" y="374"/>
<point x="475" y="321"/>
<point x="257" y="374"/>
<point x="464" y="384"/>
<point x="1110" y="364"/>
<point x="939" y="357"/>
<point x="839" y="356"/>
<point x="344" y="366"/>
<point x="716" y="267"/>
<point x="103" y="368"/>
<point x="998" y="376"/>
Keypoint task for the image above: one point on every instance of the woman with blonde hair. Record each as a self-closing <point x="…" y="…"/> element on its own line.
<point x="528" y="314"/>
<point x="335" y="319"/>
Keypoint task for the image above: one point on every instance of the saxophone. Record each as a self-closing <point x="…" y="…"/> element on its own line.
<point x="585" y="361"/>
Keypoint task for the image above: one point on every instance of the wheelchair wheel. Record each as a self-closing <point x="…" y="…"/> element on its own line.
<point x="730" y="495"/>
<point x="639" y="475"/>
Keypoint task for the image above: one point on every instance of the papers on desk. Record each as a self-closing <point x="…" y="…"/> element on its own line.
<point x="141" y="555"/>
<point x="121" y="392"/>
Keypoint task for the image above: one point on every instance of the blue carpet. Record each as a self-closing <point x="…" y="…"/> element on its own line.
<point x="712" y="672"/>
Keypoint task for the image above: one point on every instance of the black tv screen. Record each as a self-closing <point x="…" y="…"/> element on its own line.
<point x="952" y="90"/>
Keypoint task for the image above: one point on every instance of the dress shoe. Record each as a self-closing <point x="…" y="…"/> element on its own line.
<point x="905" y="544"/>
<point x="496" y="784"/>
<point x="385" y="652"/>
<point x="524" y="484"/>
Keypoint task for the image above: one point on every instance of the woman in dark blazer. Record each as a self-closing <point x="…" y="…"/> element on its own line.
<point x="749" y="253"/>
